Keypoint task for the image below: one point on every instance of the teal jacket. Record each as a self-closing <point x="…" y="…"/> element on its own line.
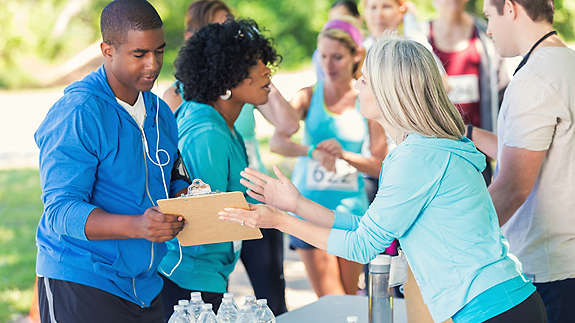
<point x="433" y="199"/>
<point x="216" y="155"/>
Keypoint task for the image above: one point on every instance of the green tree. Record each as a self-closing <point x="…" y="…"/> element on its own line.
<point x="39" y="33"/>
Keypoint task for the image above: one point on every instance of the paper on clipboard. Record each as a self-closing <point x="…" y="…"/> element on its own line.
<point x="201" y="215"/>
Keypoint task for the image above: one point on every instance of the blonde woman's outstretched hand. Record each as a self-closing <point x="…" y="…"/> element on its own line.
<point x="258" y="216"/>
<point x="279" y="193"/>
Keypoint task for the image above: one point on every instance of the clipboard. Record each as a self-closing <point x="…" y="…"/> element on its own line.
<point x="203" y="225"/>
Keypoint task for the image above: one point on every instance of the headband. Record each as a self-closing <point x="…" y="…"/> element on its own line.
<point x="347" y="27"/>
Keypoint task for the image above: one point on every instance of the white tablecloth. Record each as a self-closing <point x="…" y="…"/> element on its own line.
<point x="336" y="308"/>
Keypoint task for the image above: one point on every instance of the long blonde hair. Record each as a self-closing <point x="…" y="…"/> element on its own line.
<point x="409" y="90"/>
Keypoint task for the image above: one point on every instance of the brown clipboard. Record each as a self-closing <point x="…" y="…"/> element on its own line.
<point x="202" y="224"/>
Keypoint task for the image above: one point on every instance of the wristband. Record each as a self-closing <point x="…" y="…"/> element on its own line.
<point x="310" y="151"/>
<point x="469" y="131"/>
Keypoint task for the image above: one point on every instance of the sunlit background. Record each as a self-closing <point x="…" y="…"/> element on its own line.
<point x="46" y="44"/>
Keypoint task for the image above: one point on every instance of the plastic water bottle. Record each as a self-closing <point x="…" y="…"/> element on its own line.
<point x="250" y="301"/>
<point x="180" y="315"/>
<point x="380" y="301"/>
<point x="195" y="306"/>
<point x="231" y="296"/>
<point x="184" y="303"/>
<point x="227" y="312"/>
<point x="351" y="319"/>
<point x="246" y="315"/>
<point x="207" y="315"/>
<point x="263" y="313"/>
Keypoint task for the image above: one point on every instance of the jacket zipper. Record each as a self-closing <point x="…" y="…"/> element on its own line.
<point x="144" y="147"/>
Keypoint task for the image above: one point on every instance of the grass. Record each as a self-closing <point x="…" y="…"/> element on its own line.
<point x="20" y="210"/>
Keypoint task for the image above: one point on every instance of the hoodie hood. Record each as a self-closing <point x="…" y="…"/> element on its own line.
<point x="463" y="148"/>
<point x="96" y="84"/>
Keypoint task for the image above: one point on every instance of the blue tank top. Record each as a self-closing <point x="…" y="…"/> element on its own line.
<point x="344" y="189"/>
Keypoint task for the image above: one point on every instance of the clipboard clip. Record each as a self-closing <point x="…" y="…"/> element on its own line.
<point x="198" y="187"/>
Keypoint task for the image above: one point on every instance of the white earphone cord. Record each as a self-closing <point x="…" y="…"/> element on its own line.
<point x="158" y="163"/>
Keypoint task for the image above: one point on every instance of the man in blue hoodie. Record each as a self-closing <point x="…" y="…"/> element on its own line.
<point x="107" y="151"/>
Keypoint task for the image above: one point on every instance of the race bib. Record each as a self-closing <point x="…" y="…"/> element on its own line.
<point x="344" y="179"/>
<point x="463" y="88"/>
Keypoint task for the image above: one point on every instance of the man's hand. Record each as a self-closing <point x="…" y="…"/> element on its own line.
<point x="158" y="227"/>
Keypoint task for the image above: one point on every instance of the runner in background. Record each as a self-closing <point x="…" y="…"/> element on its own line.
<point x="344" y="8"/>
<point x="341" y="8"/>
<point x="220" y="69"/>
<point x="382" y="16"/>
<point x="477" y="76"/>
<point x="329" y="158"/>
<point x="262" y="258"/>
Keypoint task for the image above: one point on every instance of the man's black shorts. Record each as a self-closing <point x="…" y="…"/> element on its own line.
<point x="66" y="302"/>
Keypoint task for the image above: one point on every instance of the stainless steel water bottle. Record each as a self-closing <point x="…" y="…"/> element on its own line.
<point x="380" y="300"/>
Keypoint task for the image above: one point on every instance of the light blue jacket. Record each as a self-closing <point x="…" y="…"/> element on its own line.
<point x="432" y="198"/>
<point x="92" y="156"/>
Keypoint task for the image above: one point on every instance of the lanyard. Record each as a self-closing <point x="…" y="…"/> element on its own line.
<point x="526" y="57"/>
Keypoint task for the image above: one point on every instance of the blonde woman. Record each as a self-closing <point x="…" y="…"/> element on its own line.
<point x="432" y="198"/>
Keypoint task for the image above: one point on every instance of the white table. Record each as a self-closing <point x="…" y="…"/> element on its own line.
<point x="336" y="308"/>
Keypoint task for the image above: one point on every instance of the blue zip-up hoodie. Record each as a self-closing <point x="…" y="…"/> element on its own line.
<point x="92" y="156"/>
<point x="433" y="199"/>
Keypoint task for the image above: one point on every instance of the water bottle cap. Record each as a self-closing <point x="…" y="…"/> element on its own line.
<point x="352" y="319"/>
<point x="227" y="300"/>
<point x="262" y="301"/>
<point x="178" y="308"/>
<point x="195" y="294"/>
<point x="183" y="302"/>
<point x="381" y="260"/>
<point x="228" y="295"/>
<point x="207" y="306"/>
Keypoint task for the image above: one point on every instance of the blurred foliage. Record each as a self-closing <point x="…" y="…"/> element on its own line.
<point x="31" y="39"/>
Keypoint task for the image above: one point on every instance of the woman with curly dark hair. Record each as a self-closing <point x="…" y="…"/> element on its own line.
<point x="220" y="69"/>
<point x="262" y="258"/>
